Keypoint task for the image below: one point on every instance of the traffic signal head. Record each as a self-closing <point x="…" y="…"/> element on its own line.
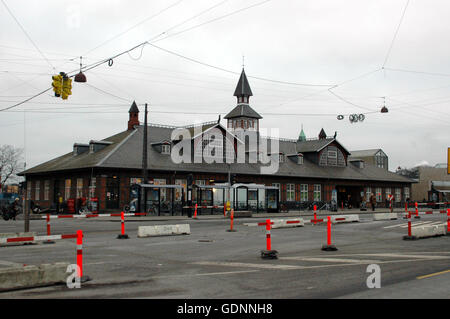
<point x="57" y="84"/>
<point x="66" y="88"/>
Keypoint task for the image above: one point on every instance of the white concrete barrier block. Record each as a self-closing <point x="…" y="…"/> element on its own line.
<point x="385" y="216"/>
<point x="163" y="230"/>
<point x="32" y="276"/>
<point x="337" y="219"/>
<point x="428" y="231"/>
<point x="288" y="223"/>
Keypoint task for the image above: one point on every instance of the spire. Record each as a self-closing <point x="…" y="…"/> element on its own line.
<point x="302" y="136"/>
<point x="322" y="134"/>
<point x="133" y="116"/>
<point x="133" y="108"/>
<point x="243" y="91"/>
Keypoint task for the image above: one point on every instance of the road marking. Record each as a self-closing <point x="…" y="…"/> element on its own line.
<point x="434" y="274"/>
<point x="208" y="274"/>
<point x="291" y="267"/>
<point x="248" y="265"/>
<point x="407" y="256"/>
<point x="404" y="225"/>
<point x="335" y="260"/>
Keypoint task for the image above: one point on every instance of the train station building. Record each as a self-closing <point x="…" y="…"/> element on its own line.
<point x="306" y="170"/>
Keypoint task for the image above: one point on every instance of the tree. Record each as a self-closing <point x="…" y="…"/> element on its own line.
<point x="10" y="162"/>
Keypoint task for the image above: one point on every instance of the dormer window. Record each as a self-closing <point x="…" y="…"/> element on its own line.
<point x="165" y="149"/>
<point x="281" y="158"/>
<point x="300" y="159"/>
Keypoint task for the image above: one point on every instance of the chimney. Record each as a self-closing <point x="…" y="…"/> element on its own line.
<point x="133" y="116"/>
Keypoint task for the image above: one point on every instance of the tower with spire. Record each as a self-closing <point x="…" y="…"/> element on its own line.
<point x="302" y="136"/>
<point x="133" y="116"/>
<point x="243" y="118"/>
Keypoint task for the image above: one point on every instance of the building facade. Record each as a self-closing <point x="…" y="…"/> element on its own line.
<point x="308" y="170"/>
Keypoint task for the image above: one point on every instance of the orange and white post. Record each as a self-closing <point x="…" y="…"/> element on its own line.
<point x="122" y="234"/>
<point x="48" y="231"/>
<point x="195" y="212"/>
<point x="231" y="221"/>
<point x="448" y="221"/>
<point x="315" y="214"/>
<point x="80" y="252"/>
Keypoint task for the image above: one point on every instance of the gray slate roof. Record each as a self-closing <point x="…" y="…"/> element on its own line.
<point x="243" y="110"/>
<point x="364" y="153"/>
<point x="126" y="153"/>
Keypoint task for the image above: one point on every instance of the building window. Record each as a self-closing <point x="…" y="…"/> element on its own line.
<point x="290" y="192"/>
<point x="161" y="181"/>
<point x="179" y="192"/>
<point x="388" y="193"/>
<point x="406" y="192"/>
<point x="37" y="192"/>
<point x="398" y="195"/>
<point x="300" y="160"/>
<point x="304" y="192"/>
<point x="281" y="158"/>
<point x="165" y="149"/>
<point x="79" y="187"/>
<point x="368" y="193"/>
<point x="46" y="189"/>
<point x="378" y="194"/>
<point x="92" y="187"/>
<point x="67" y="186"/>
<point x="317" y="192"/>
<point x="279" y="190"/>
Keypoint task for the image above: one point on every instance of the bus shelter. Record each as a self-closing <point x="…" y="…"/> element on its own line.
<point x="158" y="200"/>
<point x="253" y="197"/>
<point x="211" y="198"/>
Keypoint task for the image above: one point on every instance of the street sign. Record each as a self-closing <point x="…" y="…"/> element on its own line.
<point x="448" y="161"/>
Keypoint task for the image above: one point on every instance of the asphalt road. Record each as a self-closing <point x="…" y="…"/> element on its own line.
<point x="213" y="263"/>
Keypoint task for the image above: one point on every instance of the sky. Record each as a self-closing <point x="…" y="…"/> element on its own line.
<point x="307" y="62"/>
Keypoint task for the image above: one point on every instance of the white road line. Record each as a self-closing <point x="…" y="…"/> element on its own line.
<point x="208" y="274"/>
<point x="248" y="265"/>
<point x="291" y="267"/>
<point x="406" y="256"/>
<point x="335" y="260"/>
<point x="404" y="225"/>
<point x="417" y="224"/>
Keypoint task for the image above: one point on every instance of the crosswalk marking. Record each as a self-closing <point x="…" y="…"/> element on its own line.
<point x="426" y="223"/>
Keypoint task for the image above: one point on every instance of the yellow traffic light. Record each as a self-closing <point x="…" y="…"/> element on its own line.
<point x="66" y="88"/>
<point x="57" y="84"/>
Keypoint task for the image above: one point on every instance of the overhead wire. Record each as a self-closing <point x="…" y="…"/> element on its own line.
<point x="395" y="34"/>
<point x="26" y="34"/>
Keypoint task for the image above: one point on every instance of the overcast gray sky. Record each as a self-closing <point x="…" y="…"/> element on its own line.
<point x="320" y="42"/>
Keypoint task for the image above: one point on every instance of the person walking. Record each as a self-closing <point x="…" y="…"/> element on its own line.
<point x="372" y="201"/>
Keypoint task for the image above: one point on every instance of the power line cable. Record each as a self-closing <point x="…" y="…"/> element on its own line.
<point x="136" y="25"/>
<point x="27" y="35"/>
<point x="395" y="34"/>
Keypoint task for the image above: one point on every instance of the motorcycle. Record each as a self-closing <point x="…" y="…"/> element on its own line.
<point x="10" y="212"/>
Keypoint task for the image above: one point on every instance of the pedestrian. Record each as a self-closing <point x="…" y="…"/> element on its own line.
<point x="372" y="201"/>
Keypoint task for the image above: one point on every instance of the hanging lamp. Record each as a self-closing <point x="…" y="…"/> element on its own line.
<point x="80" y="77"/>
